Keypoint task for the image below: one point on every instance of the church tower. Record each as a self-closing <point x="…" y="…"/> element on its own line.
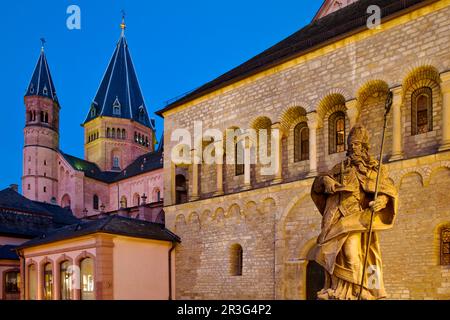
<point x="117" y="127"/>
<point x="40" y="151"/>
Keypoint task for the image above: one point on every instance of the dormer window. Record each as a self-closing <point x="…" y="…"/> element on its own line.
<point x="141" y="114"/>
<point x="116" y="107"/>
<point x="45" y="90"/>
<point x="31" y="88"/>
<point x="93" y="111"/>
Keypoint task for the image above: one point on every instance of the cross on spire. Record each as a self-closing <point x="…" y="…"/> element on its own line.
<point x="43" y="43"/>
<point x="123" y="25"/>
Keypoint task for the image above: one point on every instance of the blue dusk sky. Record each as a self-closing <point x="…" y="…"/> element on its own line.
<point x="176" y="46"/>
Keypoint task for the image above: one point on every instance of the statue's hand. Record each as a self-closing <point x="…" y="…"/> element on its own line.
<point x="330" y="185"/>
<point x="379" y="204"/>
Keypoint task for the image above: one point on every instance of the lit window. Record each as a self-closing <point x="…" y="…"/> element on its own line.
<point x="336" y="127"/>
<point x="87" y="279"/>
<point x="421" y="111"/>
<point x="66" y="274"/>
<point x="12" y="282"/>
<point x="48" y="281"/>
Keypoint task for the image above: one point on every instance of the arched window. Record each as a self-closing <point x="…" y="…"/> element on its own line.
<point x="157" y="195"/>
<point x="108" y="133"/>
<point x="113" y="133"/>
<point x="124" y="134"/>
<point x="32" y="282"/>
<point x="136" y="199"/>
<point x="48" y="281"/>
<point x="65" y="201"/>
<point x="239" y="158"/>
<point x="12" y="285"/>
<point x="181" y="189"/>
<point x="41" y="119"/>
<point x="95" y="202"/>
<point x="123" y="202"/>
<point x="45" y="117"/>
<point x="421" y="111"/>
<point x="301" y="142"/>
<point x="87" y="279"/>
<point x="116" y="107"/>
<point x="146" y="141"/>
<point x="116" y="163"/>
<point x="445" y="246"/>
<point x="136" y="139"/>
<point x="336" y="128"/>
<point x="34" y="115"/>
<point x="66" y="274"/>
<point x="236" y="260"/>
<point x="30" y="116"/>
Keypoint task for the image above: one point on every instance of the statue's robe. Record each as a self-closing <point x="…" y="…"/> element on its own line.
<point x="345" y="224"/>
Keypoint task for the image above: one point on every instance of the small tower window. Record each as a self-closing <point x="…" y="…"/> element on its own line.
<point x="116" y="107"/>
<point x="29" y="187"/>
<point x="124" y="136"/>
<point x="116" y="162"/>
<point x="42" y="116"/>
<point x="95" y="202"/>
<point x="45" y="90"/>
<point x="136" y="137"/>
<point x="31" y="88"/>
<point x="45" y="189"/>
<point x="146" y="142"/>
<point x="45" y="162"/>
<point x="113" y="133"/>
<point x="108" y="133"/>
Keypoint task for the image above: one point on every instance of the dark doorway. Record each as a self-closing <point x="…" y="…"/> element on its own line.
<point x="315" y="279"/>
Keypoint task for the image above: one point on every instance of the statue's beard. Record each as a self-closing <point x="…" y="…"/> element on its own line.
<point x="362" y="160"/>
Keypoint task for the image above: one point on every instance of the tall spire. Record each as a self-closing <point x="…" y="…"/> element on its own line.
<point x="41" y="83"/>
<point x="119" y="94"/>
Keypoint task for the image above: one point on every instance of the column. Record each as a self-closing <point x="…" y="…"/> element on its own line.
<point x="247" y="160"/>
<point x="397" y="150"/>
<point x="279" y="153"/>
<point x="445" y="87"/>
<point x="219" y="169"/>
<point x="313" y="124"/>
<point x="195" y="164"/>
<point x="352" y="111"/>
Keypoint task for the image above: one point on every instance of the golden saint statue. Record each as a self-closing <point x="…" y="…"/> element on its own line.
<point x="345" y="198"/>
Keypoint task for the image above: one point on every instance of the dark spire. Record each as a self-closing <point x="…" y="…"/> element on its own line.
<point x="41" y="83"/>
<point x="119" y="94"/>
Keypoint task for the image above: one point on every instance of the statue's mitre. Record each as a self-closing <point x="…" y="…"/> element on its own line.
<point x="359" y="134"/>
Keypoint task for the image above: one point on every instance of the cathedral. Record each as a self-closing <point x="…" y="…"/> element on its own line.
<point x="130" y="222"/>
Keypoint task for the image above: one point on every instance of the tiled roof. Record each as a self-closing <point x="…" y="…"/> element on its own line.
<point x="8" y="252"/>
<point x="145" y="163"/>
<point x="21" y="217"/>
<point x="120" y="88"/>
<point x="41" y="83"/>
<point x="318" y="32"/>
<point x="112" y="224"/>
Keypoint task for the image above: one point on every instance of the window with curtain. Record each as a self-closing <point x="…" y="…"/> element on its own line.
<point x="48" y="281"/>
<point x="87" y="279"/>
<point x="66" y="274"/>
